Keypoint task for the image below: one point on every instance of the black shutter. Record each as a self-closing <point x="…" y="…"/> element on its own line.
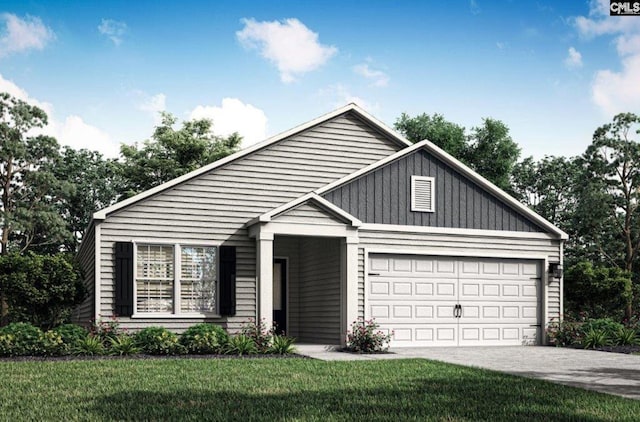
<point x="227" y="280"/>
<point x="124" y="278"/>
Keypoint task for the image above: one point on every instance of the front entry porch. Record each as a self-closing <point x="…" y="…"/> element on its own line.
<point x="307" y="271"/>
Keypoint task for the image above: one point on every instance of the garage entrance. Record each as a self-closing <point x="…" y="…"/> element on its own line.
<point x="451" y="301"/>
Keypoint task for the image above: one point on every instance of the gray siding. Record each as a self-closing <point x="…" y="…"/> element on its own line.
<point x="308" y="214"/>
<point x="459" y="245"/>
<point x="86" y="257"/>
<point x="384" y="197"/>
<point x="319" y="291"/>
<point x="215" y="206"/>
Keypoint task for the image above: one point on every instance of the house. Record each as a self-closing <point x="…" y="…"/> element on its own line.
<point x="336" y="219"/>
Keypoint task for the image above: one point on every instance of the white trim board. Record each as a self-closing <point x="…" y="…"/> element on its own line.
<point x="368" y="227"/>
<point x="97" y="285"/>
<point x="474" y="253"/>
<point x="394" y="136"/>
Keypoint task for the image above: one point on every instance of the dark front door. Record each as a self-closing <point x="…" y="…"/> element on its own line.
<point x="280" y="295"/>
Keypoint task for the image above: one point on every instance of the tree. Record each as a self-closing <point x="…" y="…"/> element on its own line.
<point x="172" y="153"/>
<point x="28" y="189"/>
<point x="41" y="289"/>
<point x="489" y="150"/>
<point x="607" y="215"/>
<point x="89" y="183"/>
<point x="493" y="153"/>
<point x="547" y="187"/>
<point x="601" y="292"/>
<point x="447" y="135"/>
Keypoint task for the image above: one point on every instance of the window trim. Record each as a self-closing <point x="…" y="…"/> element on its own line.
<point x="177" y="256"/>
<point x="431" y="180"/>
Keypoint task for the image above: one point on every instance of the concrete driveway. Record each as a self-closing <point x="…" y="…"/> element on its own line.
<point x="612" y="373"/>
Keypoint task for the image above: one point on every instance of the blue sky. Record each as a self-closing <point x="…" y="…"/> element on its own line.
<point x="552" y="71"/>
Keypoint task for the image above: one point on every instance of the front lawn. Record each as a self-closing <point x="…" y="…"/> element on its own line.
<point x="288" y="389"/>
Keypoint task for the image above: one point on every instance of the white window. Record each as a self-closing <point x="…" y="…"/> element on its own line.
<point x="422" y="194"/>
<point x="154" y="278"/>
<point x="176" y="283"/>
<point x="197" y="279"/>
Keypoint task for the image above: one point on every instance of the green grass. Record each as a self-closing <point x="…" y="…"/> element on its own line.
<point x="289" y="389"/>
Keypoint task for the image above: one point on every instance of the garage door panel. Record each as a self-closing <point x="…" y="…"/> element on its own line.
<point x="401" y="287"/>
<point x="502" y="312"/>
<point x="440" y="335"/>
<point x="415" y="297"/>
<point x="497" y="334"/>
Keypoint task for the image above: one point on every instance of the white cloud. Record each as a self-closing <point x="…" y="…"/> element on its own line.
<point x="573" y="59"/>
<point x="153" y="104"/>
<point x="341" y="95"/>
<point x="617" y="92"/>
<point x="23" y="34"/>
<point x="289" y="44"/>
<point x="78" y="134"/>
<point x="501" y="45"/>
<point x="614" y="91"/>
<point x="235" y="116"/>
<point x="112" y="29"/>
<point x="377" y="77"/>
<point x="72" y="131"/>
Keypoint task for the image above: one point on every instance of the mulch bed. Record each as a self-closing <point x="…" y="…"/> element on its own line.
<point x="619" y="349"/>
<point x="144" y="357"/>
<point x="613" y="349"/>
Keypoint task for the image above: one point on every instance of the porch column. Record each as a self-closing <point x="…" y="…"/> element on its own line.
<point x="350" y="283"/>
<point x="264" y="271"/>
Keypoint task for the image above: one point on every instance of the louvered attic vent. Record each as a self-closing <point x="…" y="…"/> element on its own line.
<point x="422" y="194"/>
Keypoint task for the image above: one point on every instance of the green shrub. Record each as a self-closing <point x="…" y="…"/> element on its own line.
<point x="595" y="338"/>
<point x="71" y="333"/>
<point x="599" y="291"/>
<point x="607" y="325"/>
<point x="53" y="344"/>
<point x="626" y="337"/>
<point x="259" y="333"/>
<point x="41" y="289"/>
<point x="89" y="346"/>
<point x="123" y="345"/>
<point x="241" y="344"/>
<point x="158" y="341"/>
<point x="364" y="337"/>
<point x="21" y="339"/>
<point x="281" y="345"/>
<point x="204" y="339"/>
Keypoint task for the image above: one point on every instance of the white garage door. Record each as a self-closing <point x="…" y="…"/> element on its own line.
<point x="446" y="301"/>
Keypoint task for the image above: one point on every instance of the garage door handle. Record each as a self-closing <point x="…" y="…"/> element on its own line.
<point x="457" y="311"/>
<point x="373" y="273"/>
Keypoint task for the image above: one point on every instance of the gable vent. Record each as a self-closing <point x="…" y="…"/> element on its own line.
<point x="422" y="193"/>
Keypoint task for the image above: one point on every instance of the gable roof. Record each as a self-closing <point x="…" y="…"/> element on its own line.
<point x="322" y="203"/>
<point x="368" y="118"/>
<point x="460" y="167"/>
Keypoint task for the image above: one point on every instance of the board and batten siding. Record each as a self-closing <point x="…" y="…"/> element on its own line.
<point x="383" y="196"/>
<point x="214" y="206"/>
<point x="461" y="245"/>
<point x="86" y="258"/>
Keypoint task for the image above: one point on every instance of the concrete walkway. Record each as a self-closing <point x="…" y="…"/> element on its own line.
<point x="612" y="373"/>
